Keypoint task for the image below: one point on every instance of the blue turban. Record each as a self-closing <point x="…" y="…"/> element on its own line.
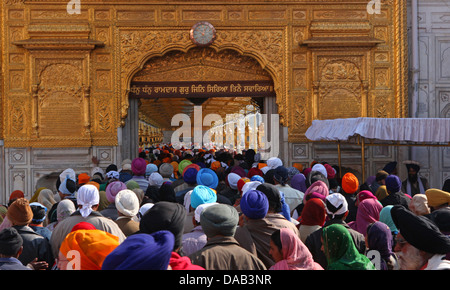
<point x="393" y="183"/>
<point x="254" y="204"/>
<point x="207" y="177"/>
<point x="150" y="169"/>
<point x="202" y="194"/>
<point x="257" y="178"/>
<point x="142" y="252"/>
<point x="190" y="175"/>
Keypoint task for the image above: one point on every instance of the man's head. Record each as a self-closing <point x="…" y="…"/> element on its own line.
<point x="10" y="243"/>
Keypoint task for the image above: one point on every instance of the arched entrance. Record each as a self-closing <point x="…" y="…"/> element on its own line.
<point x="222" y="84"/>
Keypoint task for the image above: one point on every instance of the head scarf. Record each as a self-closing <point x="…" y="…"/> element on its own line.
<point x="46" y="198"/>
<point x="207" y="177"/>
<point x="393" y="183"/>
<point x="65" y="208"/>
<point x="113" y="189"/>
<point x="251" y="185"/>
<point x="257" y="178"/>
<point x="381" y="192"/>
<point x="292" y="171"/>
<point x="16" y="194"/>
<point x="321" y="168"/>
<point x="341" y="252"/>
<point x="336" y="204"/>
<point x="87" y="197"/>
<point x="165" y="215"/>
<point x="386" y="218"/>
<point x="437" y="197"/>
<point x="314" y="176"/>
<point x="67" y="187"/>
<point x="127" y="202"/>
<point x="313" y="213"/>
<point x="92" y="245"/>
<point x="379" y="237"/>
<point x="298" y="182"/>
<point x="296" y="256"/>
<point x="39" y="212"/>
<point x="198" y="211"/>
<point x="112" y="174"/>
<point x="142" y="252"/>
<point x="319" y="187"/>
<point x="254" y="204"/>
<point x="233" y="179"/>
<point x="350" y="183"/>
<point x="364" y="194"/>
<point x="219" y="219"/>
<point x="36" y="194"/>
<point x="419" y="204"/>
<point x="420" y="231"/>
<point x="19" y="212"/>
<point x="368" y="212"/>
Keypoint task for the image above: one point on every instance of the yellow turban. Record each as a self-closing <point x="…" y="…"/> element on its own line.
<point x="437" y="197"/>
<point x="92" y="245"/>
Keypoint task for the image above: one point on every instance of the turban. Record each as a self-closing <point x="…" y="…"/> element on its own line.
<point x="215" y="165"/>
<point x="239" y="171"/>
<point x="200" y="209"/>
<point x="127" y="202"/>
<point x="441" y="217"/>
<point x="165" y="215"/>
<point x="207" y="177"/>
<point x="202" y="194"/>
<point x="437" y="197"/>
<point x="113" y="174"/>
<point x="254" y="204"/>
<point x="281" y="175"/>
<point x="87" y="196"/>
<point x="191" y="166"/>
<point x="273" y="196"/>
<point x="389" y="168"/>
<point x="331" y="173"/>
<point x="257" y="178"/>
<point x="419" y="204"/>
<point x="298" y="182"/>
<point x="274" y="162"/>
<point x="16" y="194"/>
<point x="142" y="252"/>
<point x="132" y="184"/>
<point x="241" y="182"/>
<point x="254" y="171"/>
<point x="144" y="208"/>
<point x="68" y="173"/>
<point x="364" y="194"/>
<point x="183" y="164"/>
<point x="350" y="183"/>
<point x="138" y="166"/>
<point x="155" y="179"/>
<point x="190" y="175"/>
<point x="381" y="175"/>
<point x="83" y="178"/>
<point x="113" y="188"/>
<point x="83" y="226"/>
<point x="150" y="168"/>
<point x="393" y="183"/>
<point x="251" y="185"/>
<point x="19" y="212"/>
<point x="10" y="241"/>
<point x="420" y="231"/>
<point x="166" y="170"/>
<point x="92" y="246"/>
<point x="233" y="179"/>
<point x="67" y="187"/>
<point x="412" y="164"/>
<point x="319" y="167"/>
<point x="292" y="171"/>
<point x="39" y="212"/>
<point x="336" y="204"/>
<point x="219" y="219"/>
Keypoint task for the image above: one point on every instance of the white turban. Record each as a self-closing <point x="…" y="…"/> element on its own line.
<point x="199" y="209"/>
<point x="155" y="179"/>
<point x="87" y="196"/>
<point x="251" y="185"/>
<point x="127" y="202"/>
<point x="274" y="162"/>
<point x="187" y="200"/>
<point x="68" y="173"/>
<point x="336" y="204"/>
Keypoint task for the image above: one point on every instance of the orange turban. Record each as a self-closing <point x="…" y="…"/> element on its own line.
<point x="350" y="183"/>
<point x="16" y="194"/>
<point x="83" y="178"/>
<point x="298" y="166"/>
<point x="92" y="245"/>
<point x="215" y="165"/>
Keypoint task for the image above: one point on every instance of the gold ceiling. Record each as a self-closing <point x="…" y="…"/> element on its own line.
<point x="197" y="64"/>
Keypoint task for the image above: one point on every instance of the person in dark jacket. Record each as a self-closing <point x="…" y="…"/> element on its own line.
<point x="10" y="249"/>
<point x="35" y="246"/>
<point x="396" y="196"/>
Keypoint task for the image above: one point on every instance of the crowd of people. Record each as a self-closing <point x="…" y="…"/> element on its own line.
<point x="217" y="210"/>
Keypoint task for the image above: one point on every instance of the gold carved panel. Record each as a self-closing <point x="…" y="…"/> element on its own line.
<point x="327" y="59"/>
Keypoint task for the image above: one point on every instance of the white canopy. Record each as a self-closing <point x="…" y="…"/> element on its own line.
<point x="421" y="130"/>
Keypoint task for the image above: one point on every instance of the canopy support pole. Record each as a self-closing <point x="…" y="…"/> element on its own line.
<point x="363" y="159"/>
<point x="339" y="158"/>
